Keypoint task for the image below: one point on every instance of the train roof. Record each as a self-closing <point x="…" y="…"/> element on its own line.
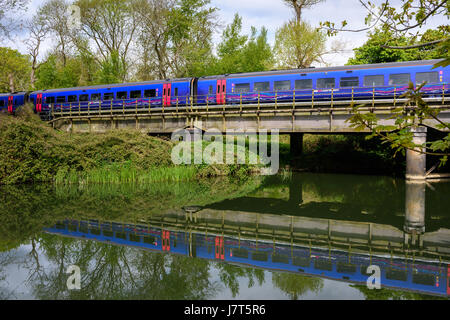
<point x="12" y="94"/>
<point x="330" y="69"/>
<point x="250" y="74"/>
<point x="115" y="85"/>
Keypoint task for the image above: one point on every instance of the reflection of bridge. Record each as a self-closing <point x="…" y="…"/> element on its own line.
<point x="294" y="118"/>
<point x="301" y="239"/>
<point x="313" y="255"/>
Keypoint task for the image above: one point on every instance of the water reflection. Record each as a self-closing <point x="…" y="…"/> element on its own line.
<point x="286" y="238"/>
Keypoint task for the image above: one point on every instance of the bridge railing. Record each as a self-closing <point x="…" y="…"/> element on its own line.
<point x="273" y="99"/>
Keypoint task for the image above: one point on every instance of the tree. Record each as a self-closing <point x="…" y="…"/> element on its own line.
<point x="298" y="45"/>
<point x="406" y="20"/>
<point x="55" y="16"/>
<point x="111" y="25"/>
<point x="14" y="70"/>
<point x="9" y="9"/>
<point x="300" y="5"/>
<point x="296" y="285"/>
<point x="242" y="53"/>
<point x="38" y="30"/>
<point x="373" y="51"/>
<point x="154" y="38"/>
<point x="191" y="26"/>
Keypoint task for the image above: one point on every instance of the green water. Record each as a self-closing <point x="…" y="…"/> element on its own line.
<point x="259" y="212"/>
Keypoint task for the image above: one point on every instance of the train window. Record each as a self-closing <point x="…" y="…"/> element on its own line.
<point x="135" y="94"/>
<point x="242" y="88"/>
<point x="2" y="103"/>
<point x="322" y="264"/>
<point x="151" y="93"/>
<point x="345" y="268"/>
<point x="280" y="258"/>
<point x="83" y="228"/>
<point x="349" y="82"/>
<point x="303" y="84"/>
<point x="326" y="83"/>
<point x="72" y="99"/>
<point x="135" y="238"/>
<point x="108" y="96"/>
<point x="399" y="79"/>
<point x="240" y="253"/>
<point x="260" y="256"/>
<point x="149" y="239"/>
<point x="95" y="97"/>
<point x="428" y="77"/>
<point x="282" y="85"/>
<point x="122" y="95"/>
<point x="176" y="92"/>
<point x="426" y="279"/>
<point x="84" y="97"/>
<point x="108" y="233"/>
<point x="121" y="235"/>
<point x="50" y="100"/>
<point x="211" y="90"/>
<point x="301" y="262"/>
<point x="394" y="274"/>
<point x="262" y="86"/>
<point x="60" y="99"/>
<point x="95" y="231"/>
<point x="374" y="81"/>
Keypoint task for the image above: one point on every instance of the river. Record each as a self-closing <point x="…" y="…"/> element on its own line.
<point x="306" y="236"/>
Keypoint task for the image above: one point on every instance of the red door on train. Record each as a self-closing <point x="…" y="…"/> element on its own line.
<point x="39" y="102"/>
<point x="10" y="104"/>
<point x="167" y="88"/>
<point x="221" y="91"/>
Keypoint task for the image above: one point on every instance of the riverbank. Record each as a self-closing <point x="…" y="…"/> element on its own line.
<point x="32" y="152"/>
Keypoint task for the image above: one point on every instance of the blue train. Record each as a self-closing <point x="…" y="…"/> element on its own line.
<point x="417" y="276"/>
<point x="385" y="80"/>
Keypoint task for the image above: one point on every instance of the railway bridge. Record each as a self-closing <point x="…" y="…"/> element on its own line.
<point x="295" y="118"/>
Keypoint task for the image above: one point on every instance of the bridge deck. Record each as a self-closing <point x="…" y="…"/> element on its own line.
<point x="287" y="117"/>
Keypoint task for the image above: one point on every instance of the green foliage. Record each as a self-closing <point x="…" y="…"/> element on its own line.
<point x="299" y="45"/>
<point x="15" y="69"/>
<point x="241" y="53"/>
<point x="112" y="70"/>
<point x="374" y="52"/>
<point x="32" y="152"/>
<point x="407" y="118"/>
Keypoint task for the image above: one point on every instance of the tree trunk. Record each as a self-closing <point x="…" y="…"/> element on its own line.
<point x="12" y="88"/>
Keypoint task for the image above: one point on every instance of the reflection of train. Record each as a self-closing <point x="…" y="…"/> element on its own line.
<point x="423" y="277"/>
<point x="387" y="80"/>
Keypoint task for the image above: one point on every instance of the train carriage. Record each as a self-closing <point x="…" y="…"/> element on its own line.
<point x="9" y="102"/>
<point x="112" y="97"/>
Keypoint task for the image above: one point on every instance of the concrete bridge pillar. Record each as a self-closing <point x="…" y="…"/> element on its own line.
<point x="416" y="162"/>
<point x="414" y="226"/>
<point x="296" y="144"/>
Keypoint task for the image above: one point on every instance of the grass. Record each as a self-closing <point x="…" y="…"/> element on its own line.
<point x="32" y="152"/>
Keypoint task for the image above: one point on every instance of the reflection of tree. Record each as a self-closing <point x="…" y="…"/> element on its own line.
<point x="229" y="275"/>
<point x="6" y="258"/>
<point x="116" y="272"/>
<point x="295" y="285"/>
<point x="388" y="294"/>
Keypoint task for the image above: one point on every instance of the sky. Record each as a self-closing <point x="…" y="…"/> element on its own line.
<point x="273" y="14"/>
